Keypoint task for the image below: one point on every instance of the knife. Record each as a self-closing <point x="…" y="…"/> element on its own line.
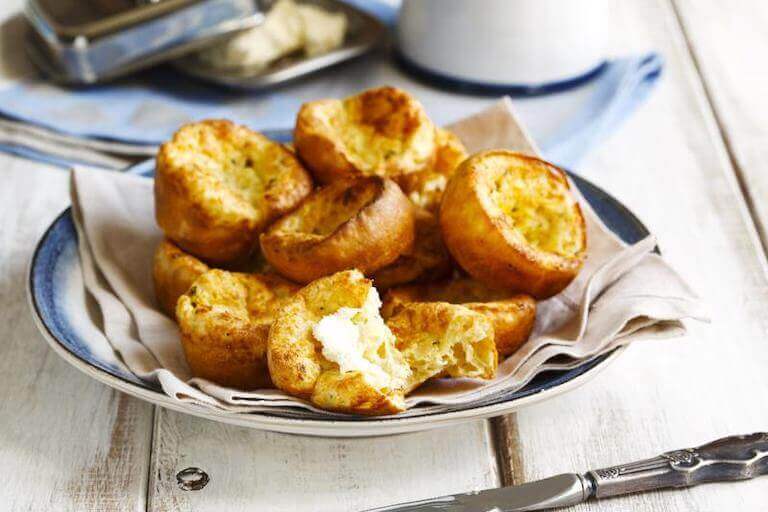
<point x="727" y="459"/>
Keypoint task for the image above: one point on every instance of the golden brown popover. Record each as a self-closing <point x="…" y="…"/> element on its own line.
<point x="218" y="185"/>
<point x="224" y="320"/>
<point x="427" y="260"/>
<point x="173" y="272"/>
<point x="329" y="345"/>
<point x="425" y="188"/>
<point x="513" y="316"/>
<point x="364" y="223"/>
<point x="383" y="132"/>
<point x="441" y="339"/>
<point x="510" y="221"/>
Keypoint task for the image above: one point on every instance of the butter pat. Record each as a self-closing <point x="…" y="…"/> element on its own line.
<point x="350" y="334"/>
<point x="289" y="27"/>
<point x="323" y="30"/>
<point x="281" y="33"/>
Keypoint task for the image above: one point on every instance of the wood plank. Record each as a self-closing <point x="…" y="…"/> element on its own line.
<point x="671" y="167"/>
<point x="256" y="470"/>
<point x="506" y="435"/>
<point x="674" y="142"/>
<point x="729" y="41"/>
<point x="66" y="441"/>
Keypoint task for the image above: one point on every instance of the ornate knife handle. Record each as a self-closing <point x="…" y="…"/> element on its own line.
<point x="730" y="458"/>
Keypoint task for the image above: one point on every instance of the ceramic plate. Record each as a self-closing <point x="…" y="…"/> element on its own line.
<point x="69" y="319"/>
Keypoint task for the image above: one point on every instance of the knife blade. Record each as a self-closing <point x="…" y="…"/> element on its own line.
<point x="728" y="459"/>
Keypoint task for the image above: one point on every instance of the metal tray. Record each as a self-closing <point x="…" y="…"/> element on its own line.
<point x="364" y="32"/>
<point x="89" y="46"/>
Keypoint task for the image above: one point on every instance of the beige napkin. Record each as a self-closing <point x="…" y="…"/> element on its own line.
<point x="623" y="294"/>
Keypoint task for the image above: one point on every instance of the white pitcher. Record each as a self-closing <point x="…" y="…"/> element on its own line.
<point x="505" y="42"/>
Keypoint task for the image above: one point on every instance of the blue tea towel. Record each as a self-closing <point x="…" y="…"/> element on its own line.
<point x="134" y="115"/>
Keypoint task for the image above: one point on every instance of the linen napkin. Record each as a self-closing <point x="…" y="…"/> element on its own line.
<point x="623" y="294"/>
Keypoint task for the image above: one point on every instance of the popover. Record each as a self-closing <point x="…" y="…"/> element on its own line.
<point x="425" y="188"/>
<point x="513" y="316"/>
<point x="510" y="221"/>
<point x="427" y="260"/>
<point x="225" y="319"/>
<point x="439" y="339"/>
<point x="383" y="132"/>
<point x="218" y="185"/>
<point x="364" y="223"/>
<point x="329" y="345"/>
<point x="173" y="272"/>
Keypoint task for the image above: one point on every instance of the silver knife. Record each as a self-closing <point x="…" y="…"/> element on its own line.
<point x="727" y="459"/>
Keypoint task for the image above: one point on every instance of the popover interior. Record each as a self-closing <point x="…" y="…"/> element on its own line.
<point x="511" y="221"/>
<point x="330" y="345"/>
<point x="541" y="209"/>
<point x="425" y="188"/>
<point x="513" y="315"/>
<point x="441" y="339"/>
<point x="364" y="223"/>
<point x="328" y="209"/>
<point x="382" y="131"/>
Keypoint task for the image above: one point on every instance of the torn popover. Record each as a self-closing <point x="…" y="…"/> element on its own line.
<point x="173" y="272"/>
<point x="425" y="188"/>
<point x="511" y="221"/>
<point x="225" y="319"/>
<point x="513" y="316"/>
<point x="218" y="185"/>
<point x="427" y="260"/>
<point x="329" y="345"/>
<point x="383" y="132"/>
<point x="364" y="223"/>
<point x="440" y="339"/>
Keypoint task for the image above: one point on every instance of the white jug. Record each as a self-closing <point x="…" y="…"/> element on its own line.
<point x="528" y="43"/>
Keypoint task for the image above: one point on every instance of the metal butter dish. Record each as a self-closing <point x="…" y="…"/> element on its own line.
<point x="363" y="33"/>
<point x="82" y="42"/>
<point x="86" y="41"/>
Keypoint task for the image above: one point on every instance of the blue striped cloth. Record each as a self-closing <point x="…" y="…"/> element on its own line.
<point x="147" y="109"/>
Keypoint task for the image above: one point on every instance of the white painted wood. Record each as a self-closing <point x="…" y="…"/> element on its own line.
<point x="66" y="441"/>
<point x="729" y="41"/>
<point x="670" y="166"/>
<point x="254" y="470"/>
<point x="69" y="443"/>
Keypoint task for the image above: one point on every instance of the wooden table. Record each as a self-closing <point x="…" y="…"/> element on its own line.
<point x="693" y="164"/>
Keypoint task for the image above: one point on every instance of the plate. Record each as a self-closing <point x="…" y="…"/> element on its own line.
<point x="69" y="319"/>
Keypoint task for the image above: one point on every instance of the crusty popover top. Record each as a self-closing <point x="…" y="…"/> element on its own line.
<point x="383" y="132"/>
<point x="219" y="184"/>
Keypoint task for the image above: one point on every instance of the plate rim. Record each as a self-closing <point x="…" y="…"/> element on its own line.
<point x="314" y="427"/>
<point x="307" y="426"/>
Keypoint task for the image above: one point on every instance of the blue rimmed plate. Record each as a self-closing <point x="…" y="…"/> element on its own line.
<point x="69" y="321"/>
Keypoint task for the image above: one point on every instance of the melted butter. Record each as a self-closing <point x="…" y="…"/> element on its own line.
<point x="351" y="336"/>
